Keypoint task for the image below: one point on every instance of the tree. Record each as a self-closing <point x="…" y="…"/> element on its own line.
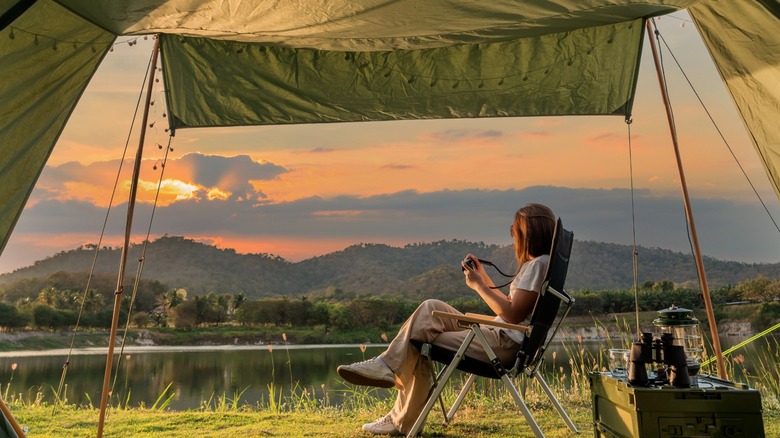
<point x="760" y="289"/>
<point x="169" y="300"/>
<point x="49" y="296"/>
<point x="11" y="318"/>
<point x="663" y="285"/>
<point x="237" y="301"/>
<point x="141" y="319"/>
<point x="93" y="301"/>
<point x="44" y="316"/>
<point x="185" y="315"/>
<point x="211" y="308"/>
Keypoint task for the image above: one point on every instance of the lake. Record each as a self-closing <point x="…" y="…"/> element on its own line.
<point x="198" y="374"/>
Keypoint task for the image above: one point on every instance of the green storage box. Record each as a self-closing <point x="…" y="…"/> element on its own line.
<point x="715" y="408"/>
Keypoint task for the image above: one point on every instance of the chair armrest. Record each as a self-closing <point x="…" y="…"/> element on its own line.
<point x="481" y="316"/>
<point x="474" y="318"/>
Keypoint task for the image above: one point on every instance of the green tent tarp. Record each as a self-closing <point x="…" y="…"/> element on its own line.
<point x="232" y="63"/>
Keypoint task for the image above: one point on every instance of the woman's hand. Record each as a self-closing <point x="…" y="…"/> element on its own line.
<point x="474" y="272"/>
<point x="477" y="264"/>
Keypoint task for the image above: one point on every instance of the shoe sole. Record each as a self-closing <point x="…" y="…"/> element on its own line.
<point x="357" y="379"/>
<point x="389" y="433"/>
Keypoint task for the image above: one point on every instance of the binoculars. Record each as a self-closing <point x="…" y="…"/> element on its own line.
<point x="671" y="359"/>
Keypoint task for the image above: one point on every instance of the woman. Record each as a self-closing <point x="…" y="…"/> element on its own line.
<point x="401" y="364"/>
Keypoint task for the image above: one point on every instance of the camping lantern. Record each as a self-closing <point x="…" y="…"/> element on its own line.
<point x="684" y="328"/>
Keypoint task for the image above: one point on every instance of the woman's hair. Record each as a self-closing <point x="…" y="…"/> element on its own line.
<point x="532" y="232"/>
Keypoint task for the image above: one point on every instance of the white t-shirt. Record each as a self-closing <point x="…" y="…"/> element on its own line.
<point x="530" y="277"/>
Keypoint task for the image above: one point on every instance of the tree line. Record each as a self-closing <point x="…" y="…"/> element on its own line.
<point x="59" y="305"/>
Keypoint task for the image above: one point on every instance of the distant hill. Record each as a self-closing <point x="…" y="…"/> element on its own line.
<point x="415" y="271"/>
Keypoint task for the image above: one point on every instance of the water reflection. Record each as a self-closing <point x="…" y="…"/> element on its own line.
<point x="196" y="375"/>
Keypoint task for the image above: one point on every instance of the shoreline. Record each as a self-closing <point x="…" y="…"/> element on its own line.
<point x="34" y="343"/>
<point x="173" y="348"/>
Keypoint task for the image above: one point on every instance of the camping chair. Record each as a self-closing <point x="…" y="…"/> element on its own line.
<point x="530" y="356"/>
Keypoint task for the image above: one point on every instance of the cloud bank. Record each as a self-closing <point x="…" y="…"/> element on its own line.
<point x="728" y="230"/>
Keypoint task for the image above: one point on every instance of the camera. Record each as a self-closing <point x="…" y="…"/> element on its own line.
<point x="470" y="263"/>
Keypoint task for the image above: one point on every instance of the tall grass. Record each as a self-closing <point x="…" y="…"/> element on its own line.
<point x="164" y="399"/>
<point x="223" y="403"/>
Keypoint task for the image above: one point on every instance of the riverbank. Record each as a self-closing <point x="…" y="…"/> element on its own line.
<point x="610" y="327"/>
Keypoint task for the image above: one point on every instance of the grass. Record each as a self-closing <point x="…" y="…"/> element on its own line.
<point x="482" y="415"/>
<point x="470" y="422"/>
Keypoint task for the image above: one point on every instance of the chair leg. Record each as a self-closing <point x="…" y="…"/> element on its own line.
<point x="455" y="406"/>
<point x="425" y="352"/>
<point x="444" y="377"/>
<point x="555" y="402"/>
<point x="523" y="407"/>
<point x="510" y="386"/>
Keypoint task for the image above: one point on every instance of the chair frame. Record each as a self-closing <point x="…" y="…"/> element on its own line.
<point x="525" y="363"/>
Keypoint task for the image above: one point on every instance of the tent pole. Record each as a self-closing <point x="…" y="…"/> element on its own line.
<point x="705" y="291"/>
<point x="126" y="244"/>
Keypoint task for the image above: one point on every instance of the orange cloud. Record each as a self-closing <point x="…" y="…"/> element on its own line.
<point x="338" y="213"/>
<point x="192" y="176"/>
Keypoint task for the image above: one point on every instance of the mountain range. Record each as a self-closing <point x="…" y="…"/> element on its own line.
<point x="419" y="270"/>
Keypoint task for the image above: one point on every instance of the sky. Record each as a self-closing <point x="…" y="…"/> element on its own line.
<point x="300" y="191"/>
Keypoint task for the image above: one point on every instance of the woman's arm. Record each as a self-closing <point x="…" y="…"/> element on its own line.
<point x="523" y="303"/>
<point x="512" y="310"/>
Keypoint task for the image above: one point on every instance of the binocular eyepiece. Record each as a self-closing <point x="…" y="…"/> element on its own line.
<point x="671" y="359"/>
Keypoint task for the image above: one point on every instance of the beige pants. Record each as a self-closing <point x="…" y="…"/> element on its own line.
<point x="413" y="373"/>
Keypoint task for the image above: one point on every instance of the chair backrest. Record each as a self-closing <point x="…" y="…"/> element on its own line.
<point x="549" y="302"/>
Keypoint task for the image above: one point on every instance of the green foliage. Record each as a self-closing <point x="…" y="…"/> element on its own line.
<point x="185" y="315"/>
<point x="66" y="289"/>
<point x="663" y="286"/>
<point x="724" y="294"/>
<point x="141" y="319"/>
<point x="651" y="297"/>
<point x="587" y="301"/>
<point x="377" y="312"/>
<point x="760" y="289"/>
<point x="768" y="315"/>
<point x="211" y="308"/>
<point x="101" y="318"/>
<point x="373" y="312"/>
<point x="45" y="317"/>
<point x="11" y="318"/>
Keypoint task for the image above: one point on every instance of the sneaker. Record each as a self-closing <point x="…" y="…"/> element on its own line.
<point x="382" y="426"/>
<point x="368" y="373"/>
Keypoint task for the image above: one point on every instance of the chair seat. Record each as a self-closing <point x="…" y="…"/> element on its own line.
<point x="467" y="364"/>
